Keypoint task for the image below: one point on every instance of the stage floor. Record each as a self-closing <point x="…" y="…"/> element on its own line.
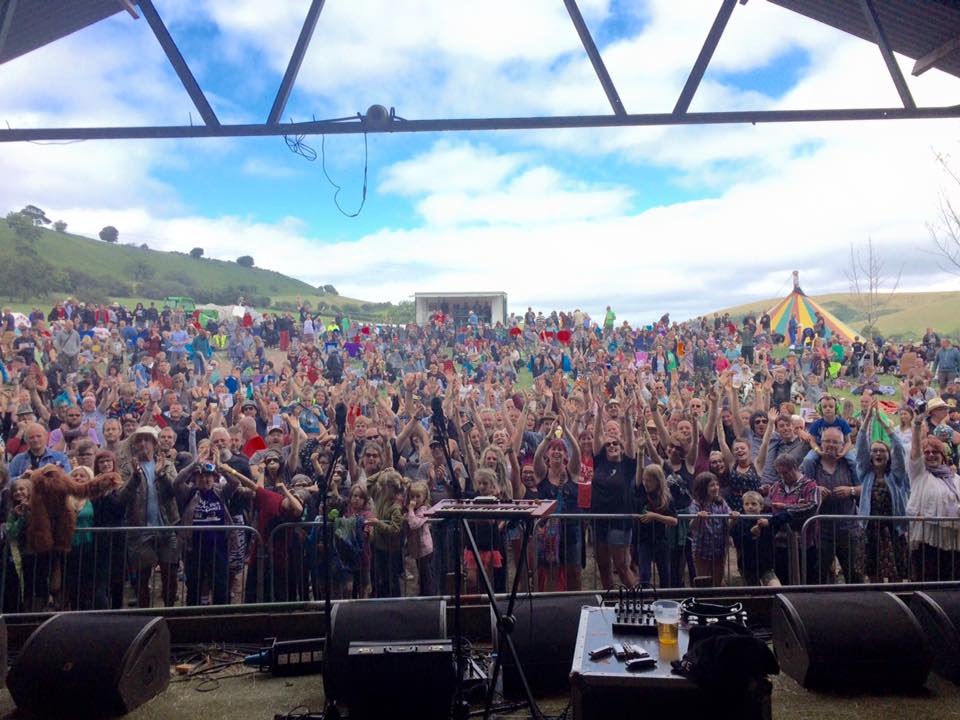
<point x="259" y="697"/>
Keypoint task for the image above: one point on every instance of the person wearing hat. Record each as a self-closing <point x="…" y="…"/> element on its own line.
<point x="937" y="413"/>
<point x="149" y="501"/>
<point x="15" y="426"/>
<point x="205" y="496"/>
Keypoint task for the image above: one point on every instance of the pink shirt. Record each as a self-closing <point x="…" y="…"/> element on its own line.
<point x="419" y="539"/>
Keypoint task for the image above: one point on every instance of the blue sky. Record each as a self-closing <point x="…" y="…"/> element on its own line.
<point x="683" y="220"/>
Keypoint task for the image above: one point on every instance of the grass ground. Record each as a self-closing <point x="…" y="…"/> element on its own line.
<point x="65" y="251"/>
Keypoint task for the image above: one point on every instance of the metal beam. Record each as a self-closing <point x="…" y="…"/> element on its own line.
<point x="329" y="127"/>
<point x="6" y="20"/>
<point x="179" y="64"/>
<point x="873" y="22"/>
<point x="293" y="67"/>
<point x="128" y="6"/>
<point x="598" y="66"/>
<point x="706" y="53"/>
<point x="934" y="56"/>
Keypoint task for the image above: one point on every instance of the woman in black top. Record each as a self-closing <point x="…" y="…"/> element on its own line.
<point x="614" y="471"/>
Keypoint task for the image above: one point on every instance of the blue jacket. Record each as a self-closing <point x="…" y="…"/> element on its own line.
<point x="21" y="463"/>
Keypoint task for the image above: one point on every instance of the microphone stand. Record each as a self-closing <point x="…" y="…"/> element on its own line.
<point x="325" y="530"/>
<point x="461" y="708"/>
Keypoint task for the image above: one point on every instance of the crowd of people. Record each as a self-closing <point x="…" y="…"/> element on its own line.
<point x="677" y="453"/>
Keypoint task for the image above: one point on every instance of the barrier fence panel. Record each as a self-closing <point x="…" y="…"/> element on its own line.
<point x="118" y="567"/>
<point x="112" y="568"/>
<point x="880" y="548"/>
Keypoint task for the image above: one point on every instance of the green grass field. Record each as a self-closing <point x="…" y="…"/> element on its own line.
<point x="66" y="251"/>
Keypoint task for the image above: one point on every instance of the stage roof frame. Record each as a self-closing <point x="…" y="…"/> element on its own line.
<point x="927" y="31"/>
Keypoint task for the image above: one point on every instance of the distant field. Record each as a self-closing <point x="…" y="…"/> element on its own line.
<point x="906" y="315"/>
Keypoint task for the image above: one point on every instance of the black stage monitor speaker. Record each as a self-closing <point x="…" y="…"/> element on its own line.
<point x="939" y="614"/>
<point x="92" y="665"/>
<point x="419" y="675"/>
<point x="3" y="651"/>
<point x="866" y="640"/>
<point x="545" y="637"/>
<point x="380" y="621"/>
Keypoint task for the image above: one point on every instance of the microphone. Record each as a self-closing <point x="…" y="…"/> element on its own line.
<point x="436" y="404"/>
<point x="340" y="417"/>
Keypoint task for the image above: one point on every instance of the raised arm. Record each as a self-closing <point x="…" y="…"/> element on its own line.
<point x="349" y="443"/>
<point x="761" y="460"/>
<point x="724" y="448"/>
<point x="713" y="414"/>
<point x="651" y="448"/>
<point x="539" y="466"/>
<point x="597" y="428"/>
<point x="916" y="451"/>
<point x="662" y="435"/>
<point x="693" y="448"/>
<point x="628" y="431"/>
<point x="863" y="443"/>
<point x="738" y="426"/>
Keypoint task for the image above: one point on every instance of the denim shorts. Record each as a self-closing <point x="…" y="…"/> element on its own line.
<point x="613" y="532"/>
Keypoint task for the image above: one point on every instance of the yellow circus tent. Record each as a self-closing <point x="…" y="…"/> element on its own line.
<point x="805" y="310"/>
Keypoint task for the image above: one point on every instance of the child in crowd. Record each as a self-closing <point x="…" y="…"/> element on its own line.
<point x="709" y="535"/>
<point x="754" y="540"/>
<point x="655" y="540"/>
<point x="827" y="409"/>
<point x="358" y="505"/>
<point x="419" y="539"/>
<point x="386" y="533"/>
<point x="486" y="533"/>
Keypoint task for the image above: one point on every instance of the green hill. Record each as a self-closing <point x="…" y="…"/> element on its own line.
<point x="54" y="265"/>
<point x="905" y="315"/>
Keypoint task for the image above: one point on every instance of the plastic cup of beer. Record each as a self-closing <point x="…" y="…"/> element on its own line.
<point x="667" y="615"/>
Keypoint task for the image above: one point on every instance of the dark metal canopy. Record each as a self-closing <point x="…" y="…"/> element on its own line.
<point x="926" y="30"/>
<point x="26" y="25"/>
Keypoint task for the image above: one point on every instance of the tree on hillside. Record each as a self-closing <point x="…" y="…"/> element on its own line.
<point x="946" y="232"/>
<point x="23" y="226"/>
<point x="144" y="246"/>
<point x="110" y="234"/>
<point x="196" y="253"/>
<point x="141" y="271"/>
<point x="330" y="290"/>
<point x="245" y="261"/>
<point x="869" y="284"/>
<point x="60" y="226"/>
<point x="36" y="215"/>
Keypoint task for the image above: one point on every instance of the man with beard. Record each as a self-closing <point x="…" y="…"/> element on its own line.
<point x="72" y="428"/>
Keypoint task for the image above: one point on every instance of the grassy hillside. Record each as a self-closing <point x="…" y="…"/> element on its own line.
<point x="122" y="272"/>
<point x="906" y="315"/>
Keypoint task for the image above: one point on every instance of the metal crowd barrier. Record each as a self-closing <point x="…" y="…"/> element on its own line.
<point x="562" y="556"/>
<point x="880" y="548"/>
<point x="118" y="567"/>
<point x="112" y="568"/>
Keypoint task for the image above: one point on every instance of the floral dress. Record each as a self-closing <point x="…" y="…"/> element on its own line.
<point x="885" y="548"/>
